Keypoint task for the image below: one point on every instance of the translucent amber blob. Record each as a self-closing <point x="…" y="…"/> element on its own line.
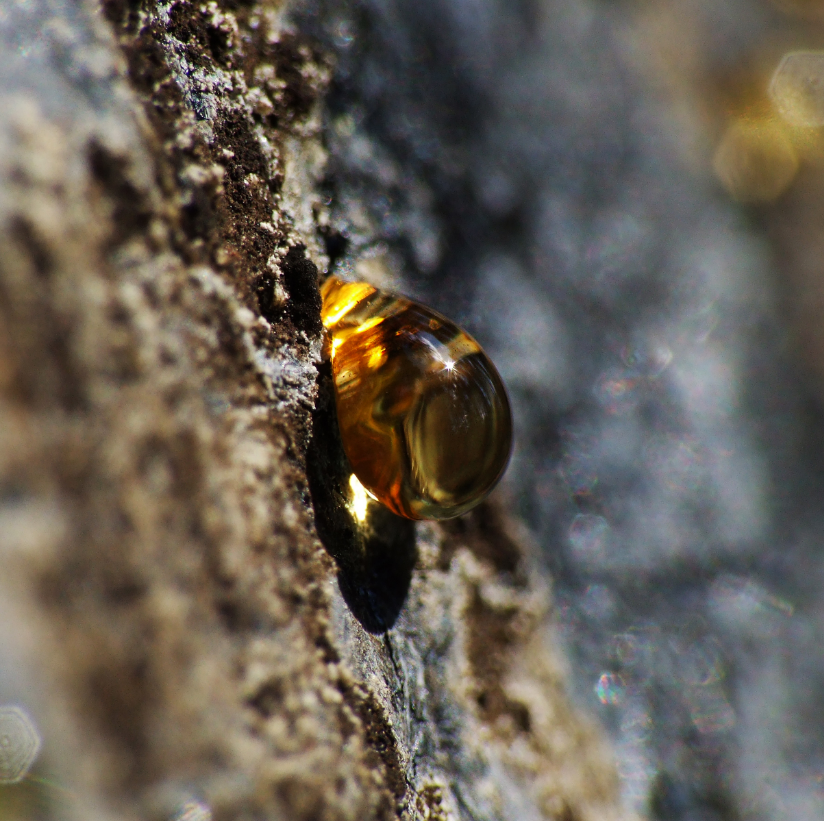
<point x="424" y="416"/>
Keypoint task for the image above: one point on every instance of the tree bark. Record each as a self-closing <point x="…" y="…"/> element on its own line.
<point x="190" y="615"/>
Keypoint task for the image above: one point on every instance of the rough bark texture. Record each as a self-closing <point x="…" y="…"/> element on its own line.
<point x="170" y="617"/>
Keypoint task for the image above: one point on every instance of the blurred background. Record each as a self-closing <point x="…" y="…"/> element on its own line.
<point x="624" y="201"/>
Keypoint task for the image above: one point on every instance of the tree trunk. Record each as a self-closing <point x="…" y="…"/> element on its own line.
<point x="191" y="618"/>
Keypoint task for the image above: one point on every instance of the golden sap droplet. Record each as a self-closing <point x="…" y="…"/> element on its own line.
<point x="424" y="416"/>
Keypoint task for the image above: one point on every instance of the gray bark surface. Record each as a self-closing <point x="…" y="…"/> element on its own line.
<point x="171" y="620"/>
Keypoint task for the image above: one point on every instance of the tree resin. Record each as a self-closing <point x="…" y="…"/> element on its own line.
<point x="424" y="416"/>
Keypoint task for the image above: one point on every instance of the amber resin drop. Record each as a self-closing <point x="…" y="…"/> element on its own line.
<point x="424" y="416"/>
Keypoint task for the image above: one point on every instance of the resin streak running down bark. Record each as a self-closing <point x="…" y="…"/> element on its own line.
<point x="424" y="416"/>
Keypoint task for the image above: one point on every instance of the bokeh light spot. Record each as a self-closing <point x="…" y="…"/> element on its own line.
<point x="755" y="160"/>
<point x="610" y="688"/>
<point x="588" y="536"/>
<point x="616" y="391"/>
<point x="797" y="88"/>
<point x="193" y="811"/>
<point x="709" y="709"/>
<point x="19" y="744"/>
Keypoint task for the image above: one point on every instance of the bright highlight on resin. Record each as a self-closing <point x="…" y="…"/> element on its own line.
<point x="423" y="414"/>
<point x="360" y="499"/>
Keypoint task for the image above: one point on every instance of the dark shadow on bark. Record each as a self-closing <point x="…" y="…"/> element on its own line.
<point x="375" y="558"/>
